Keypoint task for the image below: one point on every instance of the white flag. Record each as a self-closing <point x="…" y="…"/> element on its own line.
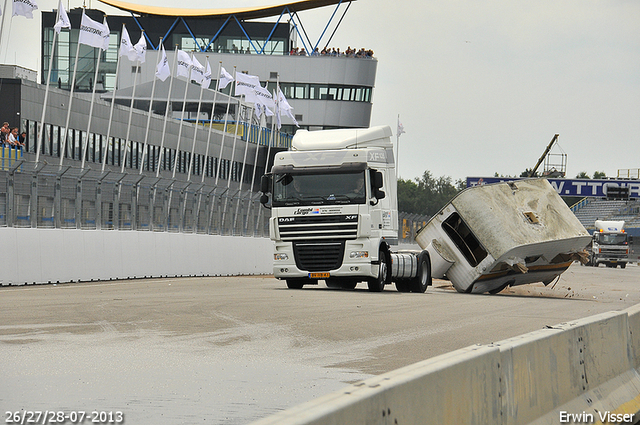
<point x="140" y="49"/>
<point x="162" y="70"/>
<point x="126" y="48"/>
<point x="400" y="128"/>
<point x="63" y="19"/>
<point x="260" y="109"/>
<point x="105" y="35"/>
<point x="184" y="64"/>
<point x="197" y="71"/>
<point x="285" y="108"/>
<point x="245" y="84"/>
<point x="206" y="81"/>
<point x="263" y="101"/>
<point x="225" y="78"/>
<point x="92" y="32"/>
<point x="24" y="8"/>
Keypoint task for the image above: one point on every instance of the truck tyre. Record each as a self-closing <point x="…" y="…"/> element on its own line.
<point x="623" y="265"/>
<point x="376" y="284"/>
<point x="423" y="275"/>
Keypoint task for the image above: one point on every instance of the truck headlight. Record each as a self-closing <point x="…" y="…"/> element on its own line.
<point x="280" y="256"/>
<point x="359" y="254"/>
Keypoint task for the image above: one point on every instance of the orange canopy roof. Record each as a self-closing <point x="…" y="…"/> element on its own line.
<point x="242" y="13"/>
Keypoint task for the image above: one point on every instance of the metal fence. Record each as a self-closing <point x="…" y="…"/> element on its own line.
<point x="50" y="196"/>
<point x="409" y="224"/>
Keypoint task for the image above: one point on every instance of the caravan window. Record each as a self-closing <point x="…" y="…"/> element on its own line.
<point x="464" y="239"/>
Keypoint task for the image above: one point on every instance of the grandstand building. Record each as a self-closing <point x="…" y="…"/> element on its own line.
<point x="324" y="91"/>
<point x="91" y="163"/>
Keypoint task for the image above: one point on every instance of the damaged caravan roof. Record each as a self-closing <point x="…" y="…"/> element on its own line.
<point x="493" y="236"/>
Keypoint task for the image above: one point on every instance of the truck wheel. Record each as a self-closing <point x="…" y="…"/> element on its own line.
<point x="623" y="265"/>
<point x="295" y="283"/>
<point x="376" y="284"/>
<point x="423" y="276"/>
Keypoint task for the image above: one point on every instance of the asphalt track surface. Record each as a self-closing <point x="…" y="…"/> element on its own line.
<point x="228" y="350"/>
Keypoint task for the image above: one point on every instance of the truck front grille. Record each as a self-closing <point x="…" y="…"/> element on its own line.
<point x="318" y="227"/>
<point x="613" y="253"/>
<point x="318" y="256"/>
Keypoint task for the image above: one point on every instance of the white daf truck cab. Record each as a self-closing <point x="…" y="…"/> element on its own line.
<point x="334" y="213"/>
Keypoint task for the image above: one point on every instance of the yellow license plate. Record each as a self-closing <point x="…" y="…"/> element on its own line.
<point x="318" y="275"/>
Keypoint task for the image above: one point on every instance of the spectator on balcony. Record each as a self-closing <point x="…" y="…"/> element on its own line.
<point x="14" y="138"/>
<point x="4" y="134"/>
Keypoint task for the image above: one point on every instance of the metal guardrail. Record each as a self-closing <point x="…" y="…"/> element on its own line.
<point x="50" y="196"/>
<point x="409" y="224"/>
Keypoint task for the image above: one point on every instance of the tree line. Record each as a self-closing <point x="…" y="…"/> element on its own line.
<point x="428" y="194"/>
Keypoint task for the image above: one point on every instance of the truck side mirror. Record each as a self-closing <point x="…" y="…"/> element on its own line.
<point x="377" y="184"/>
<point x="265" y="184"/>
<point x="265" y="187"/>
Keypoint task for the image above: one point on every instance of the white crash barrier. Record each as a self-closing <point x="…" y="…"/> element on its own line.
<point x="577" y="372"/>
<point x="70" y="255"/>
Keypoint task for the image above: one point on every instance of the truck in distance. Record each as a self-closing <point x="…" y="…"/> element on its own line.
<point x="610" y="244"/>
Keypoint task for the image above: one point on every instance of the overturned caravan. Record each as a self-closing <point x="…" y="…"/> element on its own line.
<point x="504" y="234"/>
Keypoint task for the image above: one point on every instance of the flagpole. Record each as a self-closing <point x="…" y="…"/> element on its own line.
<point x="83" y="152"/>
<point x="266" y="163"/>
<point x="73" y="84"/>
<point x="184" y="103"/>
<point x="213" y="107"/>
<point x="224" y="130"/>
<point x="195" y="130"/>
<point x="244" y="160"/>
<point x="4" y="13"/>
<point x="146" y="133"/>
<point x="166" y="111"/>
<point x="113" y="101"/>
<point x="133" y="96"/>
<point x="255" y="160"/>
<point x="233" y="153"/>
<point x="46" y="91"/>
<point x="255" y="170"/>
<point x="397" y="146"/>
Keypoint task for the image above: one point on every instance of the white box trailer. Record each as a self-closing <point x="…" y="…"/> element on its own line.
<point x="505" y="234"/>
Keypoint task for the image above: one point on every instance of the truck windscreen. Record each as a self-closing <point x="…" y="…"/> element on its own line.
<point x="611" y="238"/>
<point x="319" y="189"/>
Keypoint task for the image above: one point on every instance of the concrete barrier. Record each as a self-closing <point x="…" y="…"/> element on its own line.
<point x="68" y="255"/>
<point x="577" y="372"/>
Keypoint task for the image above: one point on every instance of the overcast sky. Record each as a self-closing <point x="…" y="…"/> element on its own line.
<point x="480" y="87"/>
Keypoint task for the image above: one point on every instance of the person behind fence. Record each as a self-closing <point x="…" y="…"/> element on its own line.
<point x="14" y="138"/>
<point x="4" y="133"/>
